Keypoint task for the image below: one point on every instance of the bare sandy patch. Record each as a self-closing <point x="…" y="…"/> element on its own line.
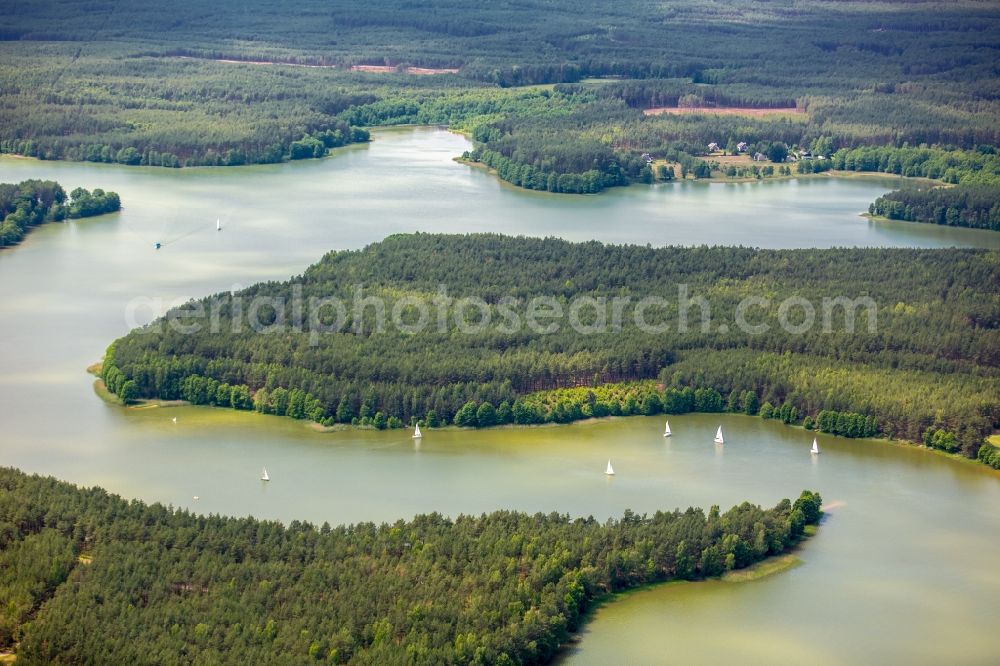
<point x="722" y="111"/>
<point x="232" y="61"/>
<point x="425" y="71"/>
<point x="416" y="71"/>
<point x="379" y="69"/>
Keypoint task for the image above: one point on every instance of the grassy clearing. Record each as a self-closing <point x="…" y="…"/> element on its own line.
<point x="760" y="570"/>
<point x="104" y="394"/>
<point x="336" y="427"/>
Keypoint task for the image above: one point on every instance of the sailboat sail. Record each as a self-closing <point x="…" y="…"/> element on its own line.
<point x="719" y="439"/>
<point x="264" y="476"/>
<point x="815" y="447"/>
<point x="610" y="471"/>
<point x="666" y="433"/>
<point x="416" y="432"/>
<point x="218" y="224"/>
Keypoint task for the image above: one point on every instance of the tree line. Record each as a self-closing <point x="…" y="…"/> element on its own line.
<point x="310" y="145"/>
<point x="88" y="576"/>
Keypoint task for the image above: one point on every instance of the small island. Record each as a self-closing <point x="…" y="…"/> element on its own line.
<point x="30" y="203"/>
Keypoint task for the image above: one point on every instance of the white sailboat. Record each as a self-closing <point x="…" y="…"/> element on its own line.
<point x="610" y="471"/>
<point x="719" y="439"/>
<point x="666" y="433"/>
<point x="264" y="476"/>
<point x="416" y="432"/>
<point x="815" y="447"/>
<point x="218" y="224"/>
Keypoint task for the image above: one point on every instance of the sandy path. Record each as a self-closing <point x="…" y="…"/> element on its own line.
<point x="720" y="111"/>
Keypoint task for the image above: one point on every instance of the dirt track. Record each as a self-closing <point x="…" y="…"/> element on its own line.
<point x="382" y="69"/>
<point x="720" y="111"/>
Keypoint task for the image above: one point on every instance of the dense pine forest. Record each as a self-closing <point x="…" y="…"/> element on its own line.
<point x="975" y="206"/>
<point x="922" y="354"/>
<point x="32" y="202"/>
<point x="88" y="577"/>
<point x="552" y="93"/>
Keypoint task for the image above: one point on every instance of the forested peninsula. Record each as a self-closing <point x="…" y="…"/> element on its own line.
<point x="912" y="353"/>
<point x="90" y="577"/>
<point x="32" y="202"/>
<point x="562" y="97"/>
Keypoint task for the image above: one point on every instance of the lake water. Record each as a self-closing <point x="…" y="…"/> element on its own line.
<point x="904" y="570"/>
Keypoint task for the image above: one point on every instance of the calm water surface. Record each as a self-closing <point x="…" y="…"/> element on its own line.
<point x="903" y="571"/>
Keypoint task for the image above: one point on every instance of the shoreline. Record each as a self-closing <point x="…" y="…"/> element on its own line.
<point x="847" y="175"/>
<point x="878" y="219"/>
<point x="340" y="427"/>
<point x="832" y="173"/>
<point x="154" y="403"/>
<point x="523" y="190"/>
<point x="766" y="566"/>
<point x="145" y="403"/>
<point x="772" y="566"/>
<point x="331" y="152"/>
<point x="760" y="570"/>
<point x="715" y="179"/>
<point x="467" y="135"/>
<point x="149" y="403"/>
